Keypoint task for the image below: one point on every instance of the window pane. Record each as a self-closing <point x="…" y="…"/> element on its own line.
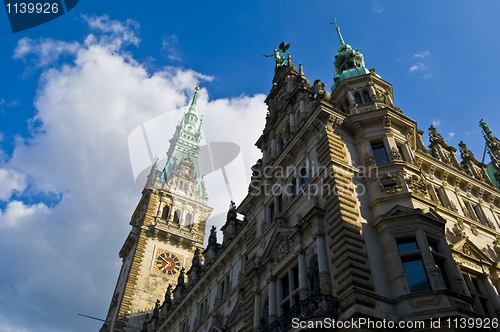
<point x="358" y="99"/>
<point x="366" y="97"/>
<point x="285" y="287"/>
<point x="440" y="266"/>
<point x="416" y="276"/>
<point x="379" y="153"/>
<point x="295" y="272"/>
<point x="407" y="245"/>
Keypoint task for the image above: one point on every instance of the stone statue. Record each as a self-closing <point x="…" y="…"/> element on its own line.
<point x="485" y="127"/>
<point x="278" y="54"/>
<point x="212" y="239"/>
<point x="464" y="151"/>
<point x="434" y="135"/>
<point x="156" y="310"/>
<point x="168" y="294"/>
<point x="196" y="257"/>
<point x="231" y="214"/>
<point x="180" y="279"/>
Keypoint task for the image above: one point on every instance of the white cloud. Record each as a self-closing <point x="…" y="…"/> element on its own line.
<point x="170" y="47"/>
<point x="436" y="123"/>
<point x="418" y="66"/>
<point x="10" y="181"/>
<point x="451" y="135"/>
<point x="9" y="328"/>
<point x="44" y="51"/>
<point x="378" y="9"/>
<point x="9" y="103"/>
<point x="423" y="54"/>
<point x="16" y="213"/>
<point x="85" y="110"/>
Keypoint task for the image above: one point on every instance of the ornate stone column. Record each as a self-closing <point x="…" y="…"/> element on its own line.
<point x="256" y="311"/>
<point x="303" y="287"/>
<point x="272" y="299"/>
<point x="273" y="148"/>
<point x="303" y="109"/>
<point x="293" y="123"/>
<point x="492" y="294"/>
<point x="325" y="285"/>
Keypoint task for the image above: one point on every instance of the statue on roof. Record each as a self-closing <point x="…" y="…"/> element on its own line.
<point x="464" y="151"/>
<point x="278" y="54"/>
<point x="212" y="239"/>
<point x="485" y="127"/>
<point x="434" y="135"/>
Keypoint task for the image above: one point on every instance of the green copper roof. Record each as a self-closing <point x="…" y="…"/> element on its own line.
<point x="348" y="62"/>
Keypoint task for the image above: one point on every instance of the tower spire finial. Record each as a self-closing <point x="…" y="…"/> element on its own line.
<point x="341" y="40"/>
<point x="197" y="88"/>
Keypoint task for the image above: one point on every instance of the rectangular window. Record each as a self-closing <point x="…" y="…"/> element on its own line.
<point x="285" y="287"/>
<point x="270" y="211"/>
<point x="294" y="188"/>
<point x="416" y="275"/>
<point x="405" y="245"/>
<point x="379" y="153"/>
<point x="280" y="204"/>
<point x="400" y="150"/>
<point x="303" y="176"/>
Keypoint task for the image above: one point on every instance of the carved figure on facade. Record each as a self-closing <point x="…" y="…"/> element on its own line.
<point x="395" y="155"/>
<point x="418" y="186"/>
<point x="458" y="231"/>
<point x="474" y="230"/>
<point x="390" y="183"/>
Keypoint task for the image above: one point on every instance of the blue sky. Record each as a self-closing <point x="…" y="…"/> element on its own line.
<point x="74" y="89"/>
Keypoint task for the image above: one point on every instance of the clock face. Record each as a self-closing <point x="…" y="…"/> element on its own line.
<point x="167" y="263"/>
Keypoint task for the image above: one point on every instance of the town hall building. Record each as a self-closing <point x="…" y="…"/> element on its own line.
<point x="350" y="215"/>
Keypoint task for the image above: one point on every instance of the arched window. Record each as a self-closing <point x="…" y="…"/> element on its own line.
<point x="185" y="186"/>
<point x="189" y="219"/>
<point x="164" y="214"/>
<point x="177" y="216"/>
<point x="358" y="99"/>
<point x="366" y="97"/>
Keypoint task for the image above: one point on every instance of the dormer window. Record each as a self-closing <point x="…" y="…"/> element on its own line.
<point x="358" y="99"/>
<point x="366" y="97"/>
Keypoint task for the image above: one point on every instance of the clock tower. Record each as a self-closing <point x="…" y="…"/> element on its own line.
<point x="168" y="225"/>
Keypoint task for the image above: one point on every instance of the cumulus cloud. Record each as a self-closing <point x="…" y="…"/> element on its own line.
<point x="85" y="109"/>
<point x="10" y="181"/>
<point x="16" y="213"/>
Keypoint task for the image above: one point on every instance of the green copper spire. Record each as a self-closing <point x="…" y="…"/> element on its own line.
<point x="193" y="102"/>
<point x="341" y="40"/>
<point x="185" y="144"/>
<point x="348" y="62"/>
